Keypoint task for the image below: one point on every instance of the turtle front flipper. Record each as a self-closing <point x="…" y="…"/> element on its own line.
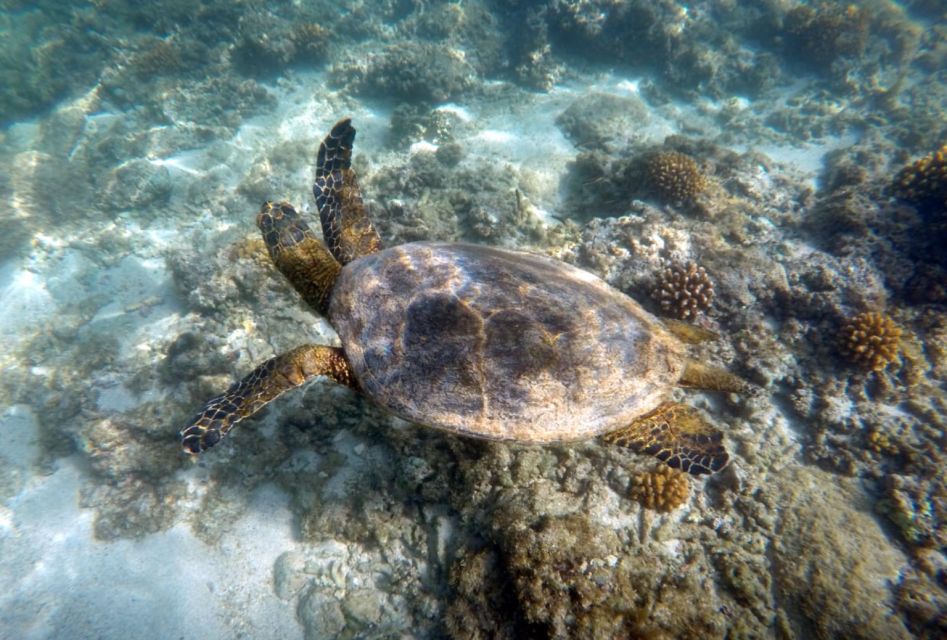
<point x="677" y="435"/>
<point x="298" y="254"/>
<point x="346" y="227"/>
<point x="269" y="380"/>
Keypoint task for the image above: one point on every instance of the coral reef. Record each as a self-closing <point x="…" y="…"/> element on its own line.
<point x="481" y="613"/>
<point x="871" y="340"/>
<point x="157" y="57"/>
<point x="558" y="570"/>
<point x="397" y="530"/>
<point x="662" y="489"/>
<point x="918" y="508"/>
<point x="825" y="32"/>
<point x="925" y="604"/>
<point x="923" y="184"/>
<point x="266" y="45"/>
<point x="928" y="284"/>
<point x="674" y="177"/>
<point x="563" y="559"/>
<point x="47" y="54"/>
<point x="596" y="186"/>
<point x="311" y="40"/>
<point x="683" y="290"/>
<point x="535" y="65"/>
<point x="469" y="29"/>
<point x="686" y="48"/>
<point x="429" y="198"/>
<point x="414" y="72"/>
<point x="410" y="123"/>
<point x="882" y="443"/>
<point x="339" y="595"/>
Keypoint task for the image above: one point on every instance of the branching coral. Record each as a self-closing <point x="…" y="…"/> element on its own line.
<point x="662" y="489"/>
<point x="871" y="340"/>
<point x="683" y="291"/>
<point x="674" y="176"/>
<point x="882" y="443"/>
<point x="924" y="183"/>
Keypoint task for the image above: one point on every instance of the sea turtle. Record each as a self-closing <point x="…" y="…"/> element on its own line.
<point x="476" y="340"/>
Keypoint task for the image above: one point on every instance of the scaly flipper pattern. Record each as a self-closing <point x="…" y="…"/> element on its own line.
<point x="265" y="383"/>
<point x="298" y="254"/>
<point x="346" y="227"/>
<point x="677" y="435"/>
<point x="698" y="375"/>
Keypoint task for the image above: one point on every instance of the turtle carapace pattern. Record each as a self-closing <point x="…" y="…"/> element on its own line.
<point x="475" y="340"/>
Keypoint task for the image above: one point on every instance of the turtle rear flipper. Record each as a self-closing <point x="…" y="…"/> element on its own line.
<point x="677" y="435"/>
<point x="698" y="375"/>
<point x="268" y="381"/>
<point x="346" y="227"/>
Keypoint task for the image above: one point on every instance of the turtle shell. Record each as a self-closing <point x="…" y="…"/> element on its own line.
<point x="500" y="344"/>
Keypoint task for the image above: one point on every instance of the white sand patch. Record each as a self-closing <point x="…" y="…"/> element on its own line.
<point x="189" y="161"/>
<point x="23" y="300"/>
<point x="58" y="582"/>
<point x="422" y="146"/>
<point x="463" y="113"/>
<point x="20" y="439"/>
<point x="807" y="158"/>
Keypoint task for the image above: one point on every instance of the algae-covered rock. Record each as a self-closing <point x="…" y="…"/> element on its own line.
<point x="578" y="579"/>
<point x="603" y="121"/>
<point x="568" y="555"/>
<point x="427" y="199"/>
<point x="479" y="613"/>
<point x="321" y="615"/>
<point x="411" y="72"/>
<point x="833" y="564"/>
<point x="137" y="185"/>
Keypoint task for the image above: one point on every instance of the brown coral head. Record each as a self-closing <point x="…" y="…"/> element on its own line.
<point x="683" y="290"/>
<point x="674" y="176"/>
<point x="661" y="489"/>
<point x="924" y="183"/>
<point x="871" y="340"/>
